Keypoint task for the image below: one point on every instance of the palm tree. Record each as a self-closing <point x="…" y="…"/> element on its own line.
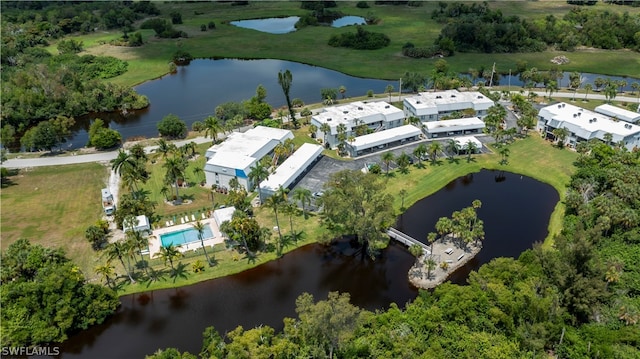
<point x="444" y="226"/>
<point x="200" y="227"/>
<point x="389" y="90"/>
<point x="325" y="128"/>
<point x="430" y="263"/>
<point x="303" y="195"/>
<point x="471" y="148"/>
<point x="212" y="126"/>
<point x="419" y="152"/>
<point x="284" y="79"/>
<point x="561" y="134"/>
<point x="106" y="271"/>
<point x="433" y="150"/>
<point x="175" y="167"/>
<point x="312" y="130"/>
<point x="431" y="238"/>
<point x="165" y="192"/>
<point x="169" y="254"/>
<point x="135" y="243"/>
<point x="342" y="90"/>
<point x="164" y="147"/>
<point x="452" y="148"/>
<point x="403" y="162"/>
<point x="274" y="203"/>
<point x="551" y="87"/>
<point x="587" y="88"/>
<point x="257" y="174"/>
<point x="403" y="193"/>
<point x="504" y="153"/>
<point x="416" y="251"/>
<point x="197" y="171"/>
<point x="387" y="158"/>
<point x="118" y="250"/>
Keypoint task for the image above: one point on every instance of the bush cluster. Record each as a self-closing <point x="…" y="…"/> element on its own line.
<point x="360" y="40"/>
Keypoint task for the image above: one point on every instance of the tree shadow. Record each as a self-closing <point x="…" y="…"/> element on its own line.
<point x="436" y="163"/>
<point x="6" y="173"/>
<point x="179" y="272"/>
<point x="453" y="160"/>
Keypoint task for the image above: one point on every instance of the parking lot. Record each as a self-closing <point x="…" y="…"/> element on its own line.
<point x="317" y="176"/>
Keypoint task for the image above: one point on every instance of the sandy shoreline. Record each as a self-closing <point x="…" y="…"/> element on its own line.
<point x="447" y="251"/>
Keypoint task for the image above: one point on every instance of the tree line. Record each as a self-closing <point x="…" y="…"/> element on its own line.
<point x="476" y="27"/>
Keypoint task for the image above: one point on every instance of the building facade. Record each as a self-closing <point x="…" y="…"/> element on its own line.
<point x="431" y="106"/>
<point x="235" y="157"/>
<point x="584" y="125"/>
<point x="376" y="116"/>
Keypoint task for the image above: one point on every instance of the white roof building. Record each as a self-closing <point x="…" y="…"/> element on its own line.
<point x="380" y="140"/>
<point x="460" y="126"/>
<point x="140" y="223"/>
<point x="584" y="125"/>
<point x="290" y="170"/>
<point x="430" y="106"/>
<point x="223" y="215"/>
<point x="619" y="113"/>
<point x="376" y="115"/>
<point x="463" y="142"/>
<point x="239" y="152"/>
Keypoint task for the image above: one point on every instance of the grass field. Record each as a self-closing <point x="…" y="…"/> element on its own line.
<point x="309" y="45"/>
<point x="53" y="206"/>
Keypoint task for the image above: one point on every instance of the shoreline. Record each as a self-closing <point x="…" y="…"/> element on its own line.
<point x="447" y="253"/>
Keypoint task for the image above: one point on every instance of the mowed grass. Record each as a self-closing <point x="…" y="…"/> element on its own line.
<point x="53" y="206"/>
<point x="532" y="157"/>
<point x="309" y="45"/>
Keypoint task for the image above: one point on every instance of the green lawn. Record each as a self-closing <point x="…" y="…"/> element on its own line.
<point x="53" y="206"/>
<point x="309" y="45"/>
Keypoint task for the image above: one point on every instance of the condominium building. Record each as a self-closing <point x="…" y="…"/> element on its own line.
<point x="431" y="106"/>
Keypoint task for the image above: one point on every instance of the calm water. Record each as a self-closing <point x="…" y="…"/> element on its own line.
<point x="515" y="209"/>
<point x="276" y="25"/>
<point x="348" y="20"/>
<point x="194" y="92"/>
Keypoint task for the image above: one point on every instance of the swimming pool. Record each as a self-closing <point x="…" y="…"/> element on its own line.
<point x="183" y="236"/>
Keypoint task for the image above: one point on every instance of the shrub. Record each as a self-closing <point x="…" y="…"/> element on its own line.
<point x="106" y="138"/>
<point x="172" y="126"/>
<point x="176" y="17"/>
<point x="360" y="40"/>
<point x="211" y="25"/>
<point x="362" y="5"/>
<point x="370" y="93"/>
<point x="203" y="27"/>
<point x="181" y="57"/>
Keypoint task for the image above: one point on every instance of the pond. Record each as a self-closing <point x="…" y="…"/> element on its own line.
<point x="348" y="20"/>
<point x="515" y="209"/>
<point x="194" y="92"/>
<point x="274" y="25"/>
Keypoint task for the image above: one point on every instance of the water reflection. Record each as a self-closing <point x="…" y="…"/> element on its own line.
<point x="276" y="25"/>
<point x="348" y="20"/>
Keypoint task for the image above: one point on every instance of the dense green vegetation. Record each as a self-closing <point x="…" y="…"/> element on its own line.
<point x="577" y="300"/>
<point x="45" y="296"/>
<point x="360" y="40"/>
<point x="477" y="27"/>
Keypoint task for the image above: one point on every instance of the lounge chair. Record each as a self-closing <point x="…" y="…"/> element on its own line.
<point x="171" y="223"/>
<point x="167" y="224"/>
<point x="181" y="220"/>
<point x="203" y="216"/>
<point x="186" y="219"/>
<point x="449" y="250"/>
<point x="460" y="256"/>
<point x="193" y="217"/>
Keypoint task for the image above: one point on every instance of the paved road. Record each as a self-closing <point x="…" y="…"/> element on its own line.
<point x="47" y="160"/>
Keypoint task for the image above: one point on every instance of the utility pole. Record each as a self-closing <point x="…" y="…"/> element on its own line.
<point x="493" y="70"/>
<point x="400" y="91"/>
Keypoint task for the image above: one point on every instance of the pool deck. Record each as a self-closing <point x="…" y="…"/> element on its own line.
<point x="155" y="242"/>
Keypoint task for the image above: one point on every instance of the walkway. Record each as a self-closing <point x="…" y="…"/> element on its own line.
<point x="406" y="239"/>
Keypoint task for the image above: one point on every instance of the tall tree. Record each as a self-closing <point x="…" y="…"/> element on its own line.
<point x="355" y="204"/>
<point x="433" y="150"/>
<point x="326" y="129"/>
<point x="258" y="174"/>
<point x="284" y="79"/>
<point x="302" y="195"/>
<point x="212" y="126"/>
<point x="420" y="152"/>
<point x="275" y="202"/>
<point x="387" y="158"/>
<point x="200" y="227"/>
<point x="169" y="254"/>
<point x="452" y="148"/>
<point x="175" y="167"/>
<point x="117" y="250"/>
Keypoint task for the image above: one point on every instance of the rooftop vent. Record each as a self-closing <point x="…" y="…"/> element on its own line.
<point x="387" y="106"/>
<point x="563" y="104"/>
<point x="345" y="112"/>
<point x="453" y="95"/>
<point x="360" y="108"/>
<point x="329" y="120"/>
<point x="627" y="126"/>
<point x="418" y="101"/>
<point x="479" y="96"/>
<point x="559" y="106"/>
<point x="580" y="113"/>
<point x="438" y="96"/>
<point x="575" y="115"/>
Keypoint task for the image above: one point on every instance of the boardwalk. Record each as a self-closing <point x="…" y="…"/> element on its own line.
<point x="407" y="240"/>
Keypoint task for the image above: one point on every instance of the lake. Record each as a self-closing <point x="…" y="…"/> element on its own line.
<point x="515" y="210"/>
<point x="275" y="25"/>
